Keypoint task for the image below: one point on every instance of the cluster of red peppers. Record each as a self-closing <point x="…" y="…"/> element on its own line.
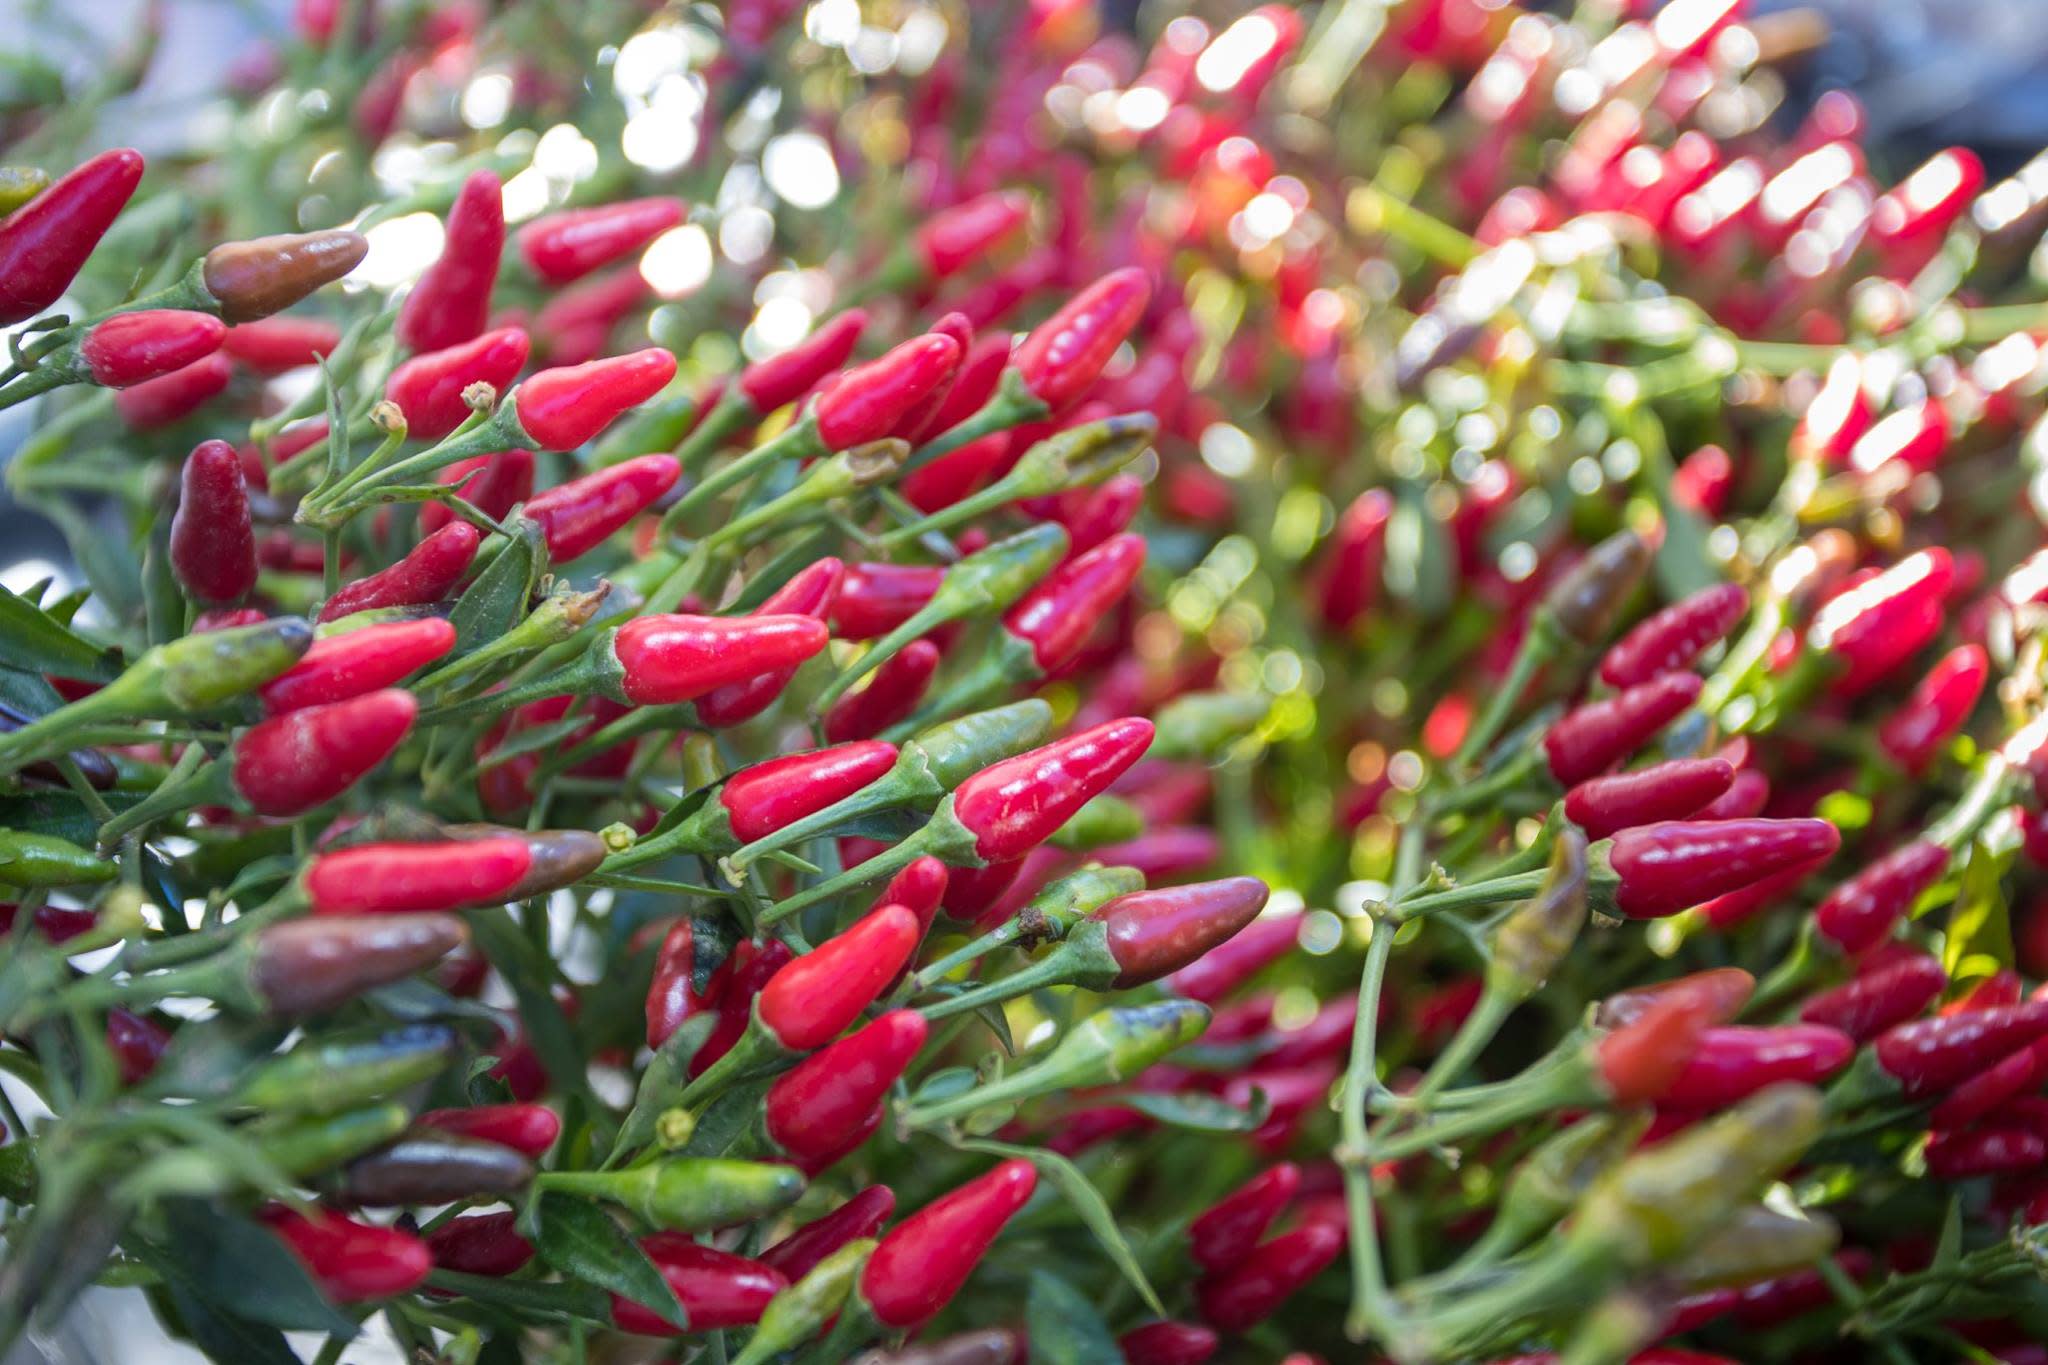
<point x="953" y="685"/>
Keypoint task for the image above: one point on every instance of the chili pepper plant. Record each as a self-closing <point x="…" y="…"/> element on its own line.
<point x="964" y="683"/>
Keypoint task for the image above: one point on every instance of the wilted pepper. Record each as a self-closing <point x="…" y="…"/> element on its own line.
<point x="253" y="279"/>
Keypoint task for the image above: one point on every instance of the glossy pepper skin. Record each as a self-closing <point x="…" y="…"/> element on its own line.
<point x="348" y="665"/>
<point x="129" y="348"/>
<point x="811" y="592"/>
<point x="1937" y="708"/>
<point x="1587" y="741"/>
<point x="1666" y="867"/>
<point x="1153" y="933"/>
<point x="428" y="388"/>
<point x="561" y="247"/>
<point x="530" y="1129"/>
<point x="860" y="1216"/>
<point x="1064" y="354"/>
<point x="1867" y="1005"/>
<point x="1986" y="1093"/>
<point x="673" y="996"/>
<point x="213" y="538"/>
<point x="1674" y="637"/>
<point x="814" y="1110"/>
<point x="429" y="573"/>
<point x="762" y="799"/>
<point x="922" y="1261"/>
<point x="578" y="516"/>
<point x="891" y="695"/>
<point x="279" y="345"/>
<point x="782" y="379"/>
<point x="480" y="1244"/>
<point x="305" y="758"/>
<point x="667" y="659"/>
<point x="1927" y="1056"/>
<point x="874" y="599"/>
<point x="811" y="1000"/>
<point x="952" y="239"/>
<point x="1013" y="806"/>
<point x="1056" y="617"/>
<point x="1643" y="1057"/>
<point x="1168" y="1343"/>
<point x="1859" y="914"/>
<point x="451" y="303"/>
<point x="866" y="402"/>
<point x="264" y="275"/>
<point x="1227" y="1231"/>
<point x="1873" y="628"/>
<point x="1732" y="1062"/>
<point x="1251" y="1291"/>
<point x="1670" y="790"/>
<point x="570" y="404"/>
<point x="45" y="242"/>
<point x="350" y="1261"/>
<point x="716" y="1288"/>
<point x="170" y="398"/>
<point x="388" y="878"/>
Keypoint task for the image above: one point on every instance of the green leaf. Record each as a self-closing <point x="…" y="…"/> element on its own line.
<point x="244" y="1270"/>
<point x="1064" y="1327"/>
<point x="663" y="1080"/>
<point x="580" y="1239"/>
<point x="529" y="974"/>
<point x="1979" y="941"/>
<point x="1087" y="1201"/>
<point x="107" y="558"/>
<point x="729" y="1119"/>
<point x="223" y="1336"/>
<point x="497" y="600"/>
<point x="34" y="641"/>
<point x="539" y="1298"/>
<point x="163" y="601"/>
<point x="1201" y="1113"/>
<point x="28" y="693"/>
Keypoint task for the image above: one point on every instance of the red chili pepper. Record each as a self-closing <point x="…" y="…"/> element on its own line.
<point x="480" y="1244"/>
<point x="664" y="659"/>
<point x="918" y="416"/>
<point x="45" y="241"/>
<point x="137" y="1044"/>
<point x="716" y="1288"/>
<point x="1984" y="1151"/>
<point x="1722" y="990"/>
<point x="344" y="666"/>
<point x="1587" y="741"/>
<point x="1838" y="414"/>
<point x="426" y="575"/>
<point x="213" y="542"/>
<point x="1013" y="806"/>
<point x="919" y="888"/>
<point x="892" y="694"/>
<point x="52" y="923"/>
<point x="451" y="302"/>
<point x="129" y="348"/>
<point x="1874" y="627"/>
<point x="972" y="891"/>
<point x="291" y="763"/>
<point x="1251" y="1291"/>
<point x="1675" y="636"/>
<point x="782" y="379"/>
<point x="1229" y="1230"/>
<point x="170" y="398"/>
<point x="995" y="297"/>
<point x="575" y="324"/>
<point x="528" y="1128"/>
<point x="819" y="1111"/>
<point x="762" y="799"/>
<point x="1663" y="791"/>
<point x="1063" y="356"/>
<point x="811" y="592"/>
<point x="1666" y="867"/>
<point x="1865" y="1007"/>
<point x="428" y="388"/>
<point x="1102" y="513"/>
<point x="953" y="239"/>
<point x="1927" y="1056"/>
<point x="1056" y="617"/>
<point x="1914" y="438"/>
<point x="860" y="1216"/>
<point x="1738" y="907"/>
<point x="1936" y="709"/>
<point x="1785" y="1297"/>
<point x="866" y="402"/>
<point x="812" y="999"/>
<point x="1153" y="933"/>
<point x="566" y="246"/>
<point x="1168" y="1343"/>
<point x="506" y="481"/>
<point x="265" y="275"/>
<point x="1910" y="217"/>
<point x="578" y="516"/>
<point x="734" y="986"/>
<point x="1859" y="914"/>
<point x="1747" y="795"/>
<point x="981" y="369"/>
<point x="874" y="599"/>
<point x="397" y="878"/>
<point x="276" y="345"/>
<point x="1732" y="1062"/>
<point x="922" y="1261"/>
<point x="1221" y="970"/>
<point x="350" y="1261"/>
<point x="673" y="996"/>
<point x="568" y="405"/>
<point x="1981" y="1095"/>
<point x="1643" y="1058"/>
<point x="1166" y="854"/>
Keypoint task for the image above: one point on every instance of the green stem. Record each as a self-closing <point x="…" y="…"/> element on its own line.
<point x="1369" y="1305"/>
<point x="1047" y="971"/>
<point x="1499" y="889"/>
